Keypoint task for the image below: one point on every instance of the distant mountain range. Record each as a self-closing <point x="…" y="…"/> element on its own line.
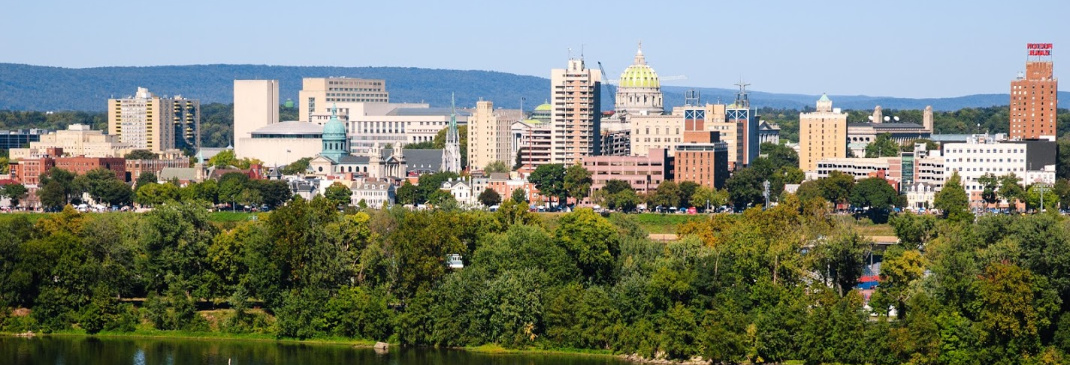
<point x="43" y="88"/>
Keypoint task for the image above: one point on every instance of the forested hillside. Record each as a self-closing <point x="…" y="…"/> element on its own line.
<point x="26" y="87"/>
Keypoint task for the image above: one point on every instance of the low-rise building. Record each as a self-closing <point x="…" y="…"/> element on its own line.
<point x="76" y="140"/>
<point x="28" y="170"/>
<point x="643" y="173"/>
<point x="705" y="164"/>
<point x="374" y="193"/>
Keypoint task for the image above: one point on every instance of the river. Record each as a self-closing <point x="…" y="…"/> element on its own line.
<point x="64" y="350"/>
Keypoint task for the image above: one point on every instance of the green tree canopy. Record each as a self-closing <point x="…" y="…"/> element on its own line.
<point x="550" y="180"/>
<point x="952" y="200"/>
<point x="338" y="194"/>
<point x="882" y="146"/>
<point x="489" y="197"/>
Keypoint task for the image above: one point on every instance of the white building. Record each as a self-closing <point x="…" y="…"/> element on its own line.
<point x="461" y="191"/>
<point x="374" y="193"/>
<point x="77" y="140"/>
<point x="1031" y="161"/>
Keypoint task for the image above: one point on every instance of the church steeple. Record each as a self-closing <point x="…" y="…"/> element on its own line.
<point x="451" y="155"/>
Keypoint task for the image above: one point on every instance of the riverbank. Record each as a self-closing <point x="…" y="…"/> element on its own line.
<point x="205" y="336"/>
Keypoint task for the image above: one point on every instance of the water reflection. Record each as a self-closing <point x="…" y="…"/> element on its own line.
<point x="94" y="351"/>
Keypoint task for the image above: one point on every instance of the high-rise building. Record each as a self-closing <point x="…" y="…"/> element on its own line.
<point x="745" y="120"/>
<point x="639" y="89"/>
<point x="822" y="135"/>
<point x="489" y="135"/>
<point x="1034" y="96"/>
<point x="256" y="105"/>
<point x="149" y="122"/>
<point x="575" y="97"/>
<point x="317" y="95"/>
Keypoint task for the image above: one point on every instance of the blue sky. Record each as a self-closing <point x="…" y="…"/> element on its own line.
<point x="900" y="48"/>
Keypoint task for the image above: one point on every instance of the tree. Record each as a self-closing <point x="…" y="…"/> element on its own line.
<point x="667" y="195"/>
<point x="952" y="200"/>
<point x="519" y="196"/>
<point x="625" y="200"/>
<point x="141" y="155"/>
<point x="489" y="197"/>
<point x="840" y="260"/>
<point x="882" y="146"/>
<point x="115" y="193"/>
<point x="407" y="193"/>
<point x="496" y="167"/>
<point x="15" y="192"/>
<point x="873" y="192"/>
<point x="577" y="182"/>
<point x="338" y="194"/>
<point x="705" y="196"/>
<point x="1010" y="189"/>
<point x="146" y="177"/>
<point x="1033" y="197"/>
<point x="224" y="159"/>
<point x="296" y="167"/>
<point x="837" y="187"/>
<point x="592" y="241"/>
<point x="745" y="187"/>
<point x="991" y="185"/>
<point x="615" y="186"/>
<point x="52" y="195"/>
<point x="550" y="180"/>
<point x="687" y="190"/>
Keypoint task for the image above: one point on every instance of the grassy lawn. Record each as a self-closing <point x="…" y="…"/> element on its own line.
<point x="657" y="223"/>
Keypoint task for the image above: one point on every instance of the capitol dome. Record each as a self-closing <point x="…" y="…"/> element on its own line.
<point x="639" y="74"/>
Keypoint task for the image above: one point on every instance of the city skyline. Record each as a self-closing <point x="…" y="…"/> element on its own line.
<point x="915" y="49"/>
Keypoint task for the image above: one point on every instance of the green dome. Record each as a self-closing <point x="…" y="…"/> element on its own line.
<point x="639" y="74"/>
<point x="334" y="129"/>
<point x="543" y="107"/>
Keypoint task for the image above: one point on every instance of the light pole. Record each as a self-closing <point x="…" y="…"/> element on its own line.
<point x="1042" y="188"/>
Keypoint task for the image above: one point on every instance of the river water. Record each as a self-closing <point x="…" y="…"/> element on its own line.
<point x="119" y="351"/>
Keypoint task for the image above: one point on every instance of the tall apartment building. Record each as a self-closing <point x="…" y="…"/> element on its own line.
<point x="317" y="95"/>
<point x="822" y="135"/>
<point x="576" y="105"/>
<point x="149" y="122"/>
<point x="489" y="133"/>
<point x="1034" y="96"/>
<point x="256" y="105"/>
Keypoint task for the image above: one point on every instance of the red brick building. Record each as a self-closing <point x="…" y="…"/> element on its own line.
<point x="1034" y="96"/>
<point x="28" y="171"/>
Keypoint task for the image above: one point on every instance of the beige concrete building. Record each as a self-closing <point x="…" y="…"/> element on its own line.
<point x="280" y="144"/>
<point x="489" y="135"/>
<point x="149" y="122"/>
<point x="575" y="98"/>
<point x="656" y="132"/>
<point x="77" y="140"/>
<point x="318" y="95"/>
<point x="256" y="105"/>
<point x="822" y="135"/>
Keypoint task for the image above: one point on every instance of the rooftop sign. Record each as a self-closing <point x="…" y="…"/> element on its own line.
<point x="1039" y="49"/>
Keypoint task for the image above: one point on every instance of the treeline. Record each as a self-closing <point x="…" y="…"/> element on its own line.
<point x="14" y="120"/>
<point x="764" y="286"/>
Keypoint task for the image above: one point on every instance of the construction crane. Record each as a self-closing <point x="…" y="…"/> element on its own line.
<point x="608" y="85"/>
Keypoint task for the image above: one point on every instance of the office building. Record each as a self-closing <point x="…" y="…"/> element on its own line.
<point x="644" y="173"/>
<point x="28" y="171"/>
<point x="489" y="132"/>
<point x="76" y="140"/>
<point x="19" y="138"/>
<point x="1030" y="161"/>
<point x="318" y="95"/>
<point x="705" y="164"/>
<point x="1034" y="96"/>
<point x="576" y="112"/>
<point x="745" y="121"/>
<point x="860" y="135"/>
<point x="158" y="124"/>
<point x="650" y="132"/>
<point x="256" y="105"/>
<point x="822" y="135"/>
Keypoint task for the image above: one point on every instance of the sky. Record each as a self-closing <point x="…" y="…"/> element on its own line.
<point x="902" y="48"/>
